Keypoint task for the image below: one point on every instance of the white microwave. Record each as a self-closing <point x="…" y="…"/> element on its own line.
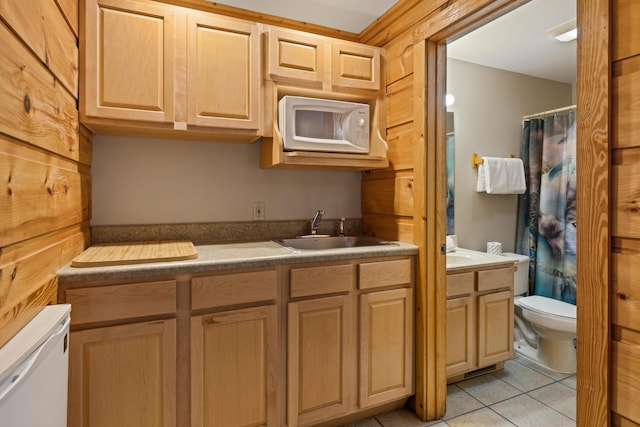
<point x="314" y="124"/>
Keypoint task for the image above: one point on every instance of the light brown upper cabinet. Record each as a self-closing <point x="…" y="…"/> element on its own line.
<point x="155" y="69"/>
<point x="296" y="57"/>
<point x="223" y="59"/>
<point x="355" y="66"/>
<point x="303" y="64"/>
<point x="128" y="57"/>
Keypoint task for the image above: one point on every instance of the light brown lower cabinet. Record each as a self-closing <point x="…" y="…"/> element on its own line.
<point x="233" y="363"/>
<point x="282" y="345"/>
<point x="123" y="375"/>
<point x="122" y="358"/>
<point x="321" y="364"/>
<point x="386" y="346"/>
<point x="350" y="352"/>
<point x="479" y="319"/>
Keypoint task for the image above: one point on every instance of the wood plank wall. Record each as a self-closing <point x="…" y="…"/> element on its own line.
<point x="406" y="201"/>
<point x="625" y="213"/>
<point x="44" y="156"/>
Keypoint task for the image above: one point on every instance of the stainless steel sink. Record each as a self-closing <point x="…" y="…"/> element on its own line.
<point x="323" y="243"/>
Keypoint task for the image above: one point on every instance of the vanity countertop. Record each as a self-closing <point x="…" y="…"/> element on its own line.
<point x="463" y="259"/>
<point x="232" y="256"/>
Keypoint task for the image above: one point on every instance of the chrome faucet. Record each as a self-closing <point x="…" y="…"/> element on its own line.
<point x="315" y="222"/>
<point x="341" y="230"/>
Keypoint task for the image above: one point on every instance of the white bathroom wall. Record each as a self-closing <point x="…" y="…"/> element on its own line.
<point x="488" y="110"/>
<point x="164" y="181"/>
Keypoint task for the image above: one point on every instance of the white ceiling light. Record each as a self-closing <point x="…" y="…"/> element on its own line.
<point x="449" y="100"/>
<point x="564" y="32"/>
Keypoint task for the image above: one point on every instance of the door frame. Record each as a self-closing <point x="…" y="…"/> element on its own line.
<point x="593" y="118"/>
<point x="593" y="159"/>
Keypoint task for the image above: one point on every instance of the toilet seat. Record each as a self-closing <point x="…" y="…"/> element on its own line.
<point x="549" y="307"/>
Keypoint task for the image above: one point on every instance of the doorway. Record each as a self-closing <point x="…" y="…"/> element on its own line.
<point x="434" y="49"/>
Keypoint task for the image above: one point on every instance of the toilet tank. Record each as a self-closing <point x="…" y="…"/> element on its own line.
<point x="521" y="275"/>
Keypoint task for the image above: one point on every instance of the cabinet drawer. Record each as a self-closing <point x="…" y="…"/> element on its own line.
<point x="321" y="280"/>
<point x="384" y="273"/>
<point x="459" y="284"/>
<point x="103" y="303"/>
<point x="230" y="289"/>
<point x="498" y="278"/>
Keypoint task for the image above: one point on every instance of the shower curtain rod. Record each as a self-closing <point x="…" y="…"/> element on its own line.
<point x="550" y="112"/>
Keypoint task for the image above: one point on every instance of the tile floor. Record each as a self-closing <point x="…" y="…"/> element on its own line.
<point x="523" y="394"/>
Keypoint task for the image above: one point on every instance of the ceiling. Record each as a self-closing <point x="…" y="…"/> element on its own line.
<point x="517" y="41"/>
<point x="348" y="15"/>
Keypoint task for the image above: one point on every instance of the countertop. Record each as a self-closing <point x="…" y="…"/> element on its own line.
<point x="463" y="259"/>
<point x="231" y="256"/>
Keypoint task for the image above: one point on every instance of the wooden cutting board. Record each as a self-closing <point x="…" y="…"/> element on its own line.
<point x="106" y="254"/>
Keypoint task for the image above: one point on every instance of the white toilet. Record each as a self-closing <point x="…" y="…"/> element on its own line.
<point x="545" y="328"/>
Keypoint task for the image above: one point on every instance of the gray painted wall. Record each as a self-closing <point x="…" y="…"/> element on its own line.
<point x="164" y="181"/>
<point x="488" y="109"/>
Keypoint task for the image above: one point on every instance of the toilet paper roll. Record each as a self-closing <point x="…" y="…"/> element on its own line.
<point x="494" y="248"/>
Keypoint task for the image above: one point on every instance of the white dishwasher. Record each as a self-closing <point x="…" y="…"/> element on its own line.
<point x="34" y="366"/>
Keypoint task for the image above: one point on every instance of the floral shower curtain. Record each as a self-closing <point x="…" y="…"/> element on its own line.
<point x="546" y="228"/>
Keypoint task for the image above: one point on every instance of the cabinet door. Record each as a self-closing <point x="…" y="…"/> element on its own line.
<point x="495" y="328"/>
<point x="321" y="360"/>
<point x="223" y="70"/>
<point x="460" y="335"/>
<point x="386" y="346"/>
<point x="128" y="65"/>
<point x="123" y="375"/>
<point x="295" y="57"/>
<point x="355" y="66"/>
<point x="233" y="368"/>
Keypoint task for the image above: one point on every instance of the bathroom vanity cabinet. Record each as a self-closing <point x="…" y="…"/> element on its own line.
<point x="479" y="318"/>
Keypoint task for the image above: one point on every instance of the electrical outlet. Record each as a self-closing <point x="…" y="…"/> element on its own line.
<point x="258" y="211"/>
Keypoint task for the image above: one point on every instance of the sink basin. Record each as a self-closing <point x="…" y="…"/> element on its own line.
<point x="468" y="258"/>
<point x="457" y="257"/>
<point x="323" y="243"/>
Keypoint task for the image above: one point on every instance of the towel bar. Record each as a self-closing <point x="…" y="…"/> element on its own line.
<point x="475" y="160"/>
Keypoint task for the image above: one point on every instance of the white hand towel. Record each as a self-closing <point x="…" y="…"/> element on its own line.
<point x="481" y="185"/>
<point x="504" y="176"/>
